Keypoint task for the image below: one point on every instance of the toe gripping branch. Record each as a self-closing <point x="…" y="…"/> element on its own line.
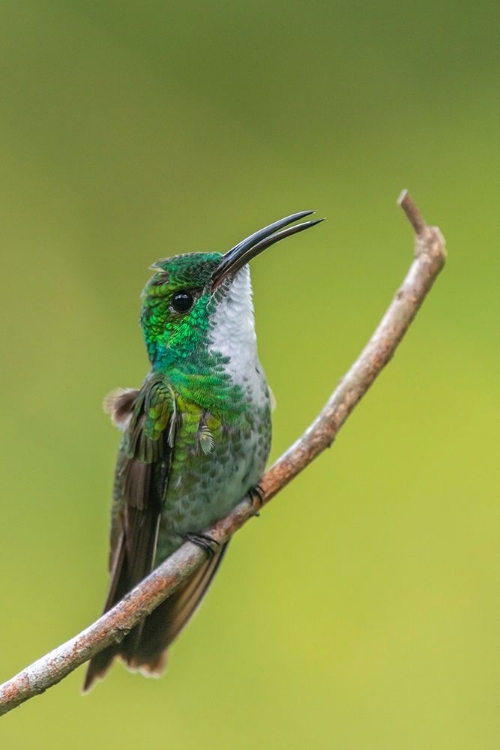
<point x="207" y="543"/>
<point x="256" y="496"/>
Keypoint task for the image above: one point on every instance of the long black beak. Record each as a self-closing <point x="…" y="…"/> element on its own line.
<point x="249" y="248"/>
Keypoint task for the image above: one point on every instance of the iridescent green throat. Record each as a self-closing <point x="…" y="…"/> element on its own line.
<point x="178" y="345"/>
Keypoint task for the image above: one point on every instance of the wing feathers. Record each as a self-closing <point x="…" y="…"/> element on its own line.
<point x="149" y="419"/>
<point x="141" y="481"/>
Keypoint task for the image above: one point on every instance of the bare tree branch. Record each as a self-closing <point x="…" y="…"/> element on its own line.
<point x="430" y="256"/>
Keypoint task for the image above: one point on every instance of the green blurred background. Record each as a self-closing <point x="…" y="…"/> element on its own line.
<point x="362" y="610"/>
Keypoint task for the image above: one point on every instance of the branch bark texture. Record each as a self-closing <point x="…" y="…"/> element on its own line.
<point x="430" y="256"/>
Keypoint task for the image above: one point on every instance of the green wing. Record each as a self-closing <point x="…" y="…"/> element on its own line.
<point x="143" y="466"/>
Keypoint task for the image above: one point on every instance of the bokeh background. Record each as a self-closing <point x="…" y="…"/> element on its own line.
<point x="362" y="609"/>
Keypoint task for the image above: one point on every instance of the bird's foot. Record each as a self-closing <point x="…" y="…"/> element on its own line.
<point x="204" y="541"/>
<point x="256" y="496"/>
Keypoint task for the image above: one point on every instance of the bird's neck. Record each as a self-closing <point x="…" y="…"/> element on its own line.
<point x="217" y="368"/>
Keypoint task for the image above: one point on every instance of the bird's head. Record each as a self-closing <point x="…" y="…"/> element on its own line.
<point x="192" y="294"/>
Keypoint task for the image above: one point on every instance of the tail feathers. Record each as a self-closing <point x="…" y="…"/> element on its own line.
<point x="166" y="622"/>
<point x="99" y="665"/>
<point x="144" y="649"/>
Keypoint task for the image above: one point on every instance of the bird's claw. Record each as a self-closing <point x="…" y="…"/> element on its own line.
<point x="205" y="542"/>
<point x="256" y="496"/>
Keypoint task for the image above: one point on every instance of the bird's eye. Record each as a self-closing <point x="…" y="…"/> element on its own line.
<point x="182" y="302"/>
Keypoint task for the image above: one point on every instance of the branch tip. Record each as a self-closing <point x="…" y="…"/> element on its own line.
<point x="412" y="213"/>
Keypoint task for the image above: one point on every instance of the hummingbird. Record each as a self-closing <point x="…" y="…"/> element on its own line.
<point x="196" y="435"/>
